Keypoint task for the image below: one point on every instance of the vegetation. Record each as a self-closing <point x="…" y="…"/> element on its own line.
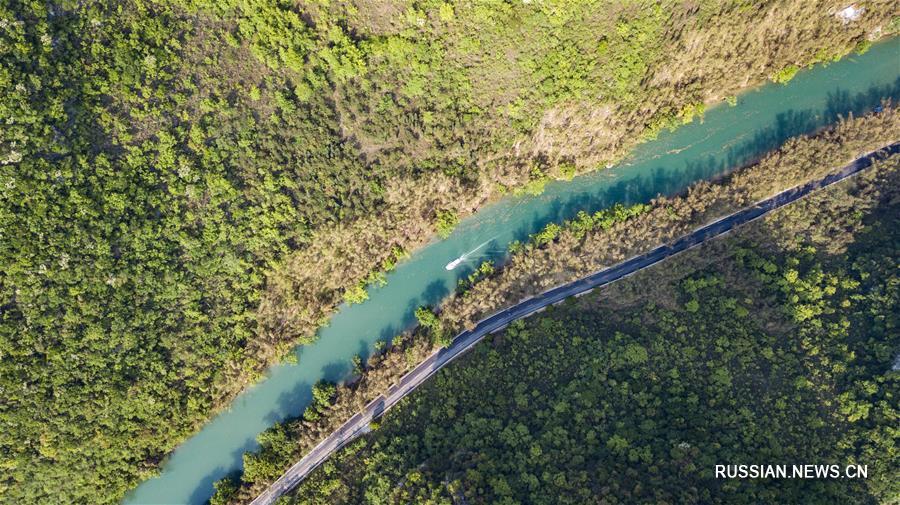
<point x="484" y="270"/>
<point x="431" y="322"/>
<point x="591" y="242"/>
<point x="446" y="222"/>
<point x="784" y="75"/>
<point x="563" y="253"/>
<point x="188" y="188"/>
<point x="635" y="393"/>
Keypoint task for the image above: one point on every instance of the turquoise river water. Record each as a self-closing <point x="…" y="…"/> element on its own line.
<point x="726" y="138"/>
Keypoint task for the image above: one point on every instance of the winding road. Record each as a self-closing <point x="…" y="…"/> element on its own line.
<point x="359" y="424"/>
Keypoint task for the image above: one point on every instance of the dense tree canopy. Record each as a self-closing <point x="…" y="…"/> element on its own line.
<point x="828" y="221"/>
<point x="774" y="346"/>
<point x="170" y="169"/>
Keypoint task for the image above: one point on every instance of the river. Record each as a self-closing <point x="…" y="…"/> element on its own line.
<point x="727" y="137"/>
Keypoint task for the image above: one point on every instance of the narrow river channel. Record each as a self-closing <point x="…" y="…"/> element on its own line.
<point x="726" y="138"/>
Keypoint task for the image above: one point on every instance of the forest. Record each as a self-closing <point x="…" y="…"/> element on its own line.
<point x="774" y="344"/>
<point x="189" y="188"/>
<point x="562" y="253"/>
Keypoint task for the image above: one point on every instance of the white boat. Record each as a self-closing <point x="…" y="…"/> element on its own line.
<point x="455" y="263"/>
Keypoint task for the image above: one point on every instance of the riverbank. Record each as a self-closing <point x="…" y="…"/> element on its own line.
<point x="361" y="423"/>
<point x="189" y="188"/>
<point x="570" y="138"/>
<point x="773" y="343"/>
<point x="576" y="250"/>
<point x="727" y="137"/>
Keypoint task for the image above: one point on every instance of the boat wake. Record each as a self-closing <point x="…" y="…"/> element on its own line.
<point x="462" y="259"/>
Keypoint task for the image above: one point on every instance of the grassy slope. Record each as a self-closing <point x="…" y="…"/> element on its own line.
<point x="773" y="345"/>
<point x="170" y="170"/>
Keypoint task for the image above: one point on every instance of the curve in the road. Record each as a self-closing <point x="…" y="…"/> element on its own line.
<point x="359" y="423"/>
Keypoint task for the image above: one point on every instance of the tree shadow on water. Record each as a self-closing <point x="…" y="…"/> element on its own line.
<point x="204" y="488"/>
<point x="434" y="292"/>
<point x="290" y="403"/>
<point x="841" y="103"/>
<point x="338" y="370"/>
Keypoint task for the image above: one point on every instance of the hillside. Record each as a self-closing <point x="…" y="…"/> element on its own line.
<point x="189" y="188"/>
<point x="563" y="253"/>
<point x="774" y="345"/>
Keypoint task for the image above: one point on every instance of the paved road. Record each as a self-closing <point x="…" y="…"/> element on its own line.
<point x="359" y="423"/>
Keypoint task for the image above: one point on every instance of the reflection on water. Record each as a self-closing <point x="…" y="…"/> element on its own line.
<point x="728" y="137"/>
